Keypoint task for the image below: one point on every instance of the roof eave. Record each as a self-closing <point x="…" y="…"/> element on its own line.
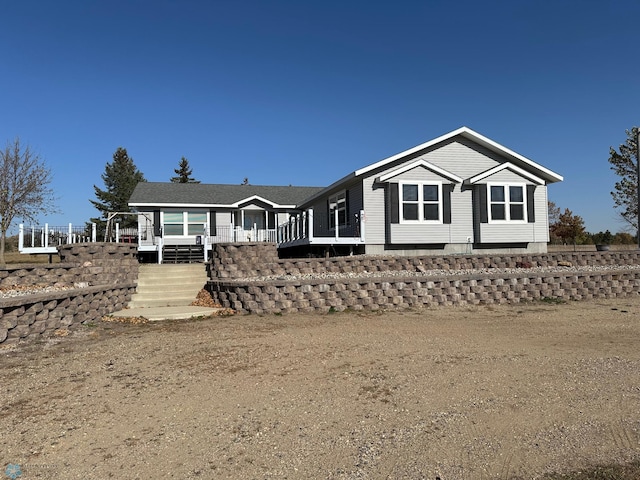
<point x="324" y="191"/>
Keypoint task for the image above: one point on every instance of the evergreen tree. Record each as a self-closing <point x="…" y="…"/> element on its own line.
<point x="184" y="173"/>
<point x="624" y="164"/>
<point x="569" y="227"/>
<point x="120" y="178"/>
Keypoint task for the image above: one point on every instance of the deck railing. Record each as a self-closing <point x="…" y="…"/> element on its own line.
<point x="307" y="228"/>
<point x="233" y="234"/>
<point x="45" y="239"/>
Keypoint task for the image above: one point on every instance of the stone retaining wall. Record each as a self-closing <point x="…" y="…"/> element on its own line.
<point x="92" y="280"/>
<point x="323" y="295"/>
<point x="87" y="263"/>
<point x="47" y="313"/>
<point x="234" y="261"/>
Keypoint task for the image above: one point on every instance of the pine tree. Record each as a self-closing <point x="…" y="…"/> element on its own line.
<point x="120" y="178"/>
<point x="624" y="164"/>
<point x="184" y="173"/>
<point x="569" y="227"/>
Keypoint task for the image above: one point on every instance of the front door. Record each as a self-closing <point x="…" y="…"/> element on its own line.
<point x="253" y="218"/>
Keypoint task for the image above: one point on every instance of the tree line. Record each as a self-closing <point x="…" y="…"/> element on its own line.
<point x="566" y="228"/>
<point x="120" y="178"/>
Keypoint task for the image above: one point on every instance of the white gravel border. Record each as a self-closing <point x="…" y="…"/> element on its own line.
<point x="434" y="273"/>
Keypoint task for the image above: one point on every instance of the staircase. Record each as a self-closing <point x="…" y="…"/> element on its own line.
<point x="182" y="253"/>
<point x="168" y="285"/>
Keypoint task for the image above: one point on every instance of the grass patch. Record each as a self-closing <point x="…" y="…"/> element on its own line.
<point x="629" y="471"/>
<point x="16" y="258"/>
<point x="553" y="300"/>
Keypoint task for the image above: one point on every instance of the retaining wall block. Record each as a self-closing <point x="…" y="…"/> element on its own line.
<point x="27" y="318"/>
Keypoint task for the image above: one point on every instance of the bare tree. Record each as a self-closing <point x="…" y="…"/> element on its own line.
<point x="24" y="187"/>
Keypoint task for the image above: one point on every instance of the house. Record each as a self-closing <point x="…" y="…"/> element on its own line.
<point x="458" y="193"/>
<point x="189" y="217"/>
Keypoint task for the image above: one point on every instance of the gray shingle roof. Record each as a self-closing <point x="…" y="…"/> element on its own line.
<point x="165" y="193"/>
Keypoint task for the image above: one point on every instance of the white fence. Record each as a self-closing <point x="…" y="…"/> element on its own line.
<point x="300" y="230"/>
<point x="45" y="239"/>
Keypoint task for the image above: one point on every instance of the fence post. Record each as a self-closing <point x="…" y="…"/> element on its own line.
<point x="205" y="241"/>
<point x="21" y="237"/>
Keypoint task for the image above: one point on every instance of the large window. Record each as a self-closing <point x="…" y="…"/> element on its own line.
<point x="338" y="207"/>
<point x="196" y="222"/>
<point x="173" y="223"/>
<point x="184" y="223"/>
<point x="507" y="203"/>
<point x="421" y="202"/>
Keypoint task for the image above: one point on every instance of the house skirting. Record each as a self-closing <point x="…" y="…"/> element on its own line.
<point x="456" y="249"/>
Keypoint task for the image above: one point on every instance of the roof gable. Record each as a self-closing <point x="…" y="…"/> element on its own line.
<point x="466" y="132"/>
<point x="505" y="166"/>
<point x="534" y="169"/>
<point x="419" y="163"/>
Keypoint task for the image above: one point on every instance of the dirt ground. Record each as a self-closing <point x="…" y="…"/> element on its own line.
<point x="450" y="393"/>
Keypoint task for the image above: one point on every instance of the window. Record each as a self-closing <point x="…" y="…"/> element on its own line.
<point x="338" y="206"/>
<point x="173" y="223"/>
<point x="421" y="202"/>
<point x="184" y="223"/>
<point x="196" y="222"/>
<point x="507" y="203"/>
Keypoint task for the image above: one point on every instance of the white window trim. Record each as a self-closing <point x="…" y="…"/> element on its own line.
<point x="185" y="223"/>
<point x="507" y="202"/>
<point x="421" y="202"/>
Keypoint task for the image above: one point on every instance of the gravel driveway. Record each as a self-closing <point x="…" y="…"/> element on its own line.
<point x="457" y="393"/>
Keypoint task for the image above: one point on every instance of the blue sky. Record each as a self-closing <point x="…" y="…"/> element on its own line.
<point x="304" y="92"/>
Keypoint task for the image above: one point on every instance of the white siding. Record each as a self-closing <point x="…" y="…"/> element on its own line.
<point x="461" y="227"/>
<point x="463" y="158"/>
<point x="520" y="232"/>
<point x="461" y="215"/>
<point x="508" y="233"/>
<point x="375" y="211"/>
<point x="505" y="176"/>
<point x="419" y="174"/>
<point x="541" y="209"/>
<point x="223" y="218"/>
<point x="420" y="234"/>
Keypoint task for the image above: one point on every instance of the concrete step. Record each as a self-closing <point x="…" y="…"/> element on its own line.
<point x="177" y="281"/>
<point x="162" y="302"/>
<point x="168" y="285"/>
